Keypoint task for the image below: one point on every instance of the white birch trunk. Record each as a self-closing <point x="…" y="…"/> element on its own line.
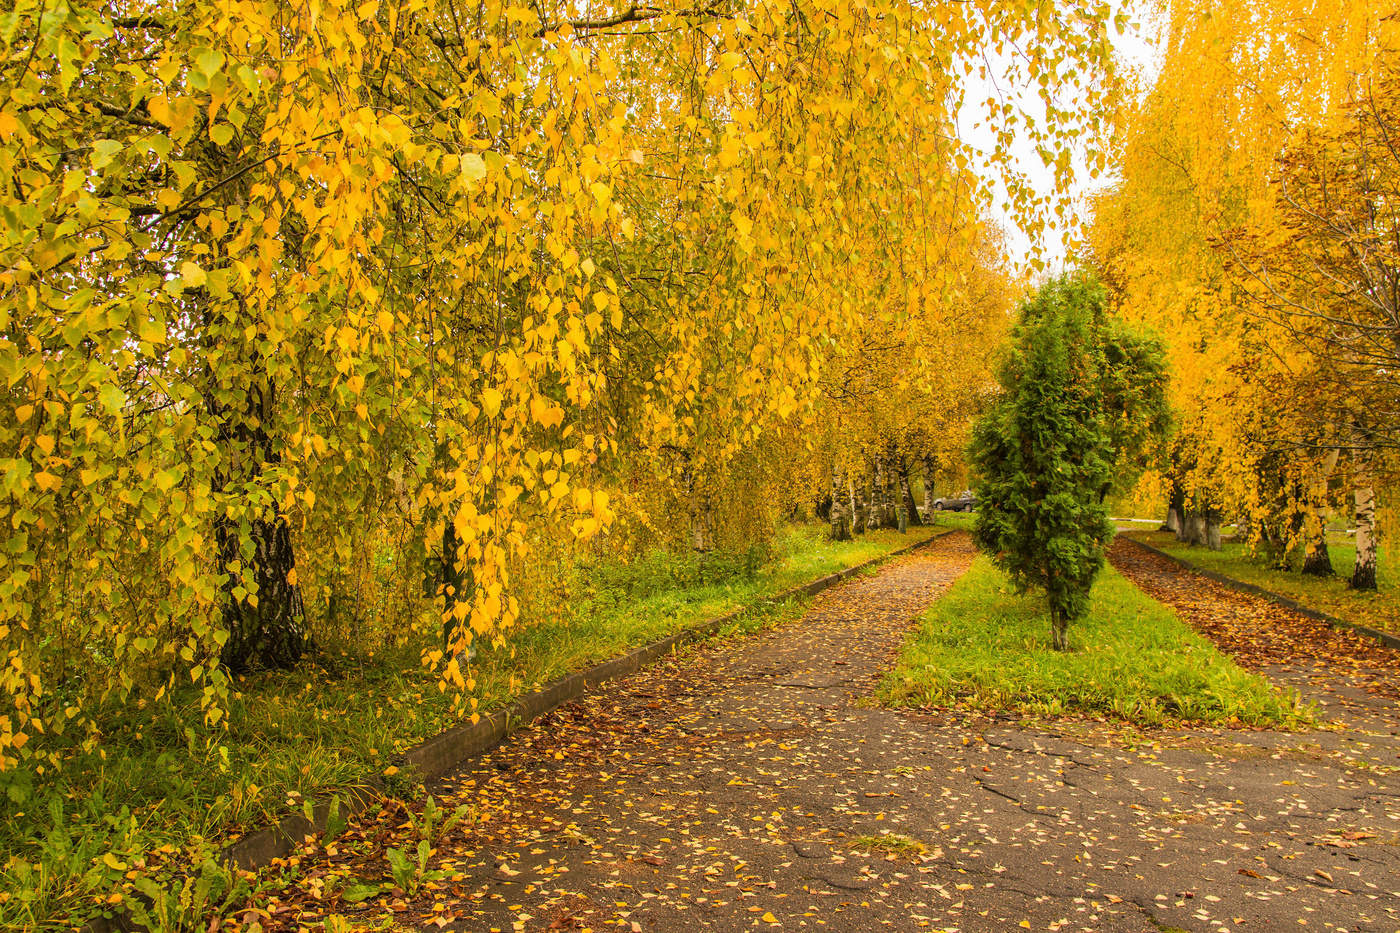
<point x="840" y="516"/>
<point x="1363" y="577"/>
<point x="858" y="508"/>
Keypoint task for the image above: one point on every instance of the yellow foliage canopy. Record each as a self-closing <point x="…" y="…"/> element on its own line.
<point x="300" y="298"/>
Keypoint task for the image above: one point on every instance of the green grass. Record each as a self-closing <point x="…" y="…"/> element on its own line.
<point x="1380" y="610"/>
<point x="961" y="520"/>
<point x="983" y="646"/>
<point x="152" y="783"/>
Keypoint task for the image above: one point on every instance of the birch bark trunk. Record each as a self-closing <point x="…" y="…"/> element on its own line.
<point x="1363" y="577"/>
<point x="858" y="508"/>
<point x="906" y="493"/>
<point x="840" y="515"/>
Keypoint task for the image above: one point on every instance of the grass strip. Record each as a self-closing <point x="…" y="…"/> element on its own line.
<point x="985" y="647"/>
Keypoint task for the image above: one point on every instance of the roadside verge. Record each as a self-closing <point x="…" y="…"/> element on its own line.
<point x="440" y="754"/>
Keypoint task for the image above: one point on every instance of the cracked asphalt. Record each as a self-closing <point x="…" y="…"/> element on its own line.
<point x="751" y="784"/>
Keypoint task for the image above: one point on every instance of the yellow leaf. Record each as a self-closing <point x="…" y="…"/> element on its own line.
<point x="545" y="412"/>
<point x="192" y="275"/>
<point x="473" y="167"/>
<point x="491" y="401"/>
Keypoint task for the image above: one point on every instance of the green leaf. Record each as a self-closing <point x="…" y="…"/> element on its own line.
<point x="401" y="868"/>
<point x="355" y="893"/>
<point x="209" y="61"/>
<point x="248" y="77"/>
<point x="104" y="151"/>
<point x="111" y="398"/>
<point x="335" y="823"/>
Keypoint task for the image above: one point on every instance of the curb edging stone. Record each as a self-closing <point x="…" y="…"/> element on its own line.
<point x="1385" y="638"/>
<point x="440" y="754"/>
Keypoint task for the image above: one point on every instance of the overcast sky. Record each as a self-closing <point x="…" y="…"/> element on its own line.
<point x="1136" y="50"/>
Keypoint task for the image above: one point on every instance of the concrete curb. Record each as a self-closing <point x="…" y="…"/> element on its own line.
<point x="1385" y="638"/>
<point x="436" y="756"/>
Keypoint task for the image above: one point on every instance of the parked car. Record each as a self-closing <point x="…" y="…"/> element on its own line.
<point x="964" y="501"/>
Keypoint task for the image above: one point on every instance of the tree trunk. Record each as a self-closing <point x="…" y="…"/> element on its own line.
<point x="702" y="525"/>
<point x="839" y="511"/>
<point x="262" y="612"/>
<point x="858" y="508"/>
<point x="700" y="511"/>
<point x="1363" y="577"/>
<point x="1317" y="562"/>
<point x="1185" y="528"/>
<point x="875" y="513"/>
<point x="1193" y="528"/>
<point x="266" y="629"/>
<point x="1200" y="528"/>
<point x="1176" y="506"/>
<point x="1059" y="630"/>
<point x="890" y="493"/>
<point x="911" y="510"/>
<point x="930" y="469"/>
<point x="455" y="585"/>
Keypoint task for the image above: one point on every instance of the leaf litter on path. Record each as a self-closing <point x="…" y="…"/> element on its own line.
<point x="748" y="785"/>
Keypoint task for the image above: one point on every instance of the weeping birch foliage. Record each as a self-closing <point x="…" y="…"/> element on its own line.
<point x="328" y="317"/>
<point x="1198" y="241"/>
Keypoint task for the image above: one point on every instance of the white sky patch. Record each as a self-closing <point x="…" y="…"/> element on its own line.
<point x="1139" y="57"/>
